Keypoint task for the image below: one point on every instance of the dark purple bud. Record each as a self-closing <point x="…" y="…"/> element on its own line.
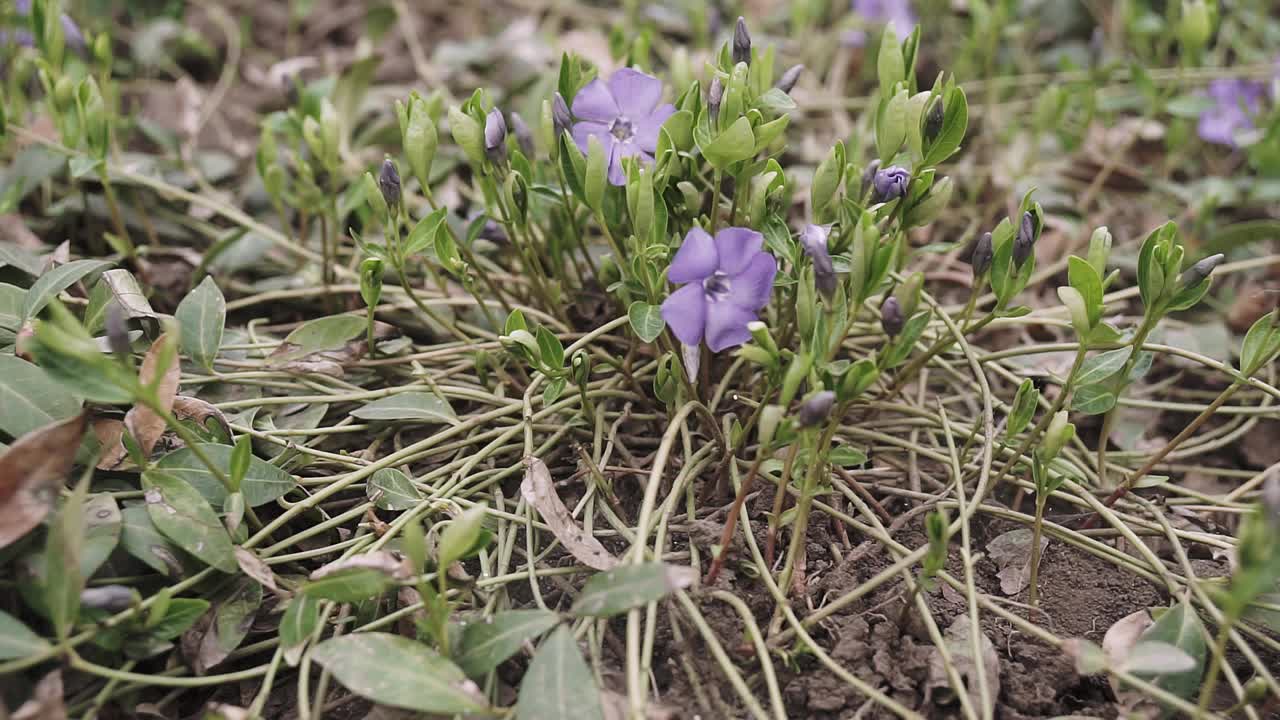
<point x="715" y="94"/>
<point x="495" y="136"/>
<point x="983" y="253"/>
<point x="741" y="43"/>
<point x="117" y="326"/>
<point x="789" y="78"/>
<point x="389" y="183"/>
<point x="813" y="239"/>
<point x="1201" y="270"/>
<point x="817" y="408"/>
<point x="891" y="318"/>
<point x="493" y="232"/>
<point x="560" y="115"/>
<point x="868" y="177"/>
<point x="524" y="137"/>
<point x="890" y="183"/>
<point x="112" y="598"/>
<point x="933" y="120"/>
<point x="1025" y="241"/>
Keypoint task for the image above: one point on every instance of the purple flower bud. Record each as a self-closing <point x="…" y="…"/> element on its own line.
<point x="789" y="78"/>
<point x="933" y="120"/>
<point x="112" y="598"/>
<point x="495" y="136"/>
<point x="741" y="42"/>
<point x="1025" y="241"/>
<point x="813" y="239"/>
<point x="868" y="177"/>
<point x="117" y="328"/>
<point x="891" y="318"/>
<point x="817" y="408"/>
<point x="524" y="136"/>
<point x="493" y="232"/>
<point x="890" y="183"/>
<point x="389" y="183"/>
<point x="560" y="115"/>
<point x="1201" y="270"/>
<point x="715" y="94"/>
<point x="983" y="254"/>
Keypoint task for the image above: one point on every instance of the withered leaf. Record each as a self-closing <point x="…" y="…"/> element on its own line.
<point x="142" y="422"/>
<point x="539" y="490"/>
<point x="46" y="702"/>
<point x="32" y="470"/>
<point x="223" y="627"/>
<point x="254" y="567"/>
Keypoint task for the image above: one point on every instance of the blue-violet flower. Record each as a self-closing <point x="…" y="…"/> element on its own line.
<point x="727" y="280"/>
<point x="880" y="12"/>
<point x="624" y="114"/>
<point x="1235" y="102"/>
<point x="890" y="183"/>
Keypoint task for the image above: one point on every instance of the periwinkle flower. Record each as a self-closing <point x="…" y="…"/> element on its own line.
<point x="741" y="42"/>
<point x="817" y="408"/>
<point x="1025" y="241"/>
<point x="1235" y="102"/>
<point x="890" y="183"/>
<point x="983" y="254"/>
<point x="1196" y="274"/>
<point x="389" y="183"/>
<point x="715" y="93"/>
<point x="880" y="12"/>
<point x="789" y="78"/>
<point x="560" y="116"/>
<point x="624" y="114"/>
<point x="495" y="136"/>
<point x="813" y="239"/>
<point x="726" y="281"/>
<point x="891" y="317"/>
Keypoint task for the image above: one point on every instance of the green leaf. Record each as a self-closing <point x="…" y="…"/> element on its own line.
<point x="646" y="320"/>
<point x="553" y="391"/>
<point x="461" y="536"/>
<point x="181" y="514"/>
<point x="1180" y="627"/>
<point x="416" y="405"/>
<point x="559" y="684"/>
<point x="326" y="333"/>
<point x="263" y="482"/>
<point x="62" y="578"/>
<point x="17" y="641"/>
<point x="232" y="616"/>
<point x="734" y="144"/>
<point x="181" y="614"/>
<point x="1092" y="400"/>
<point x="202" y="315"/>
<point x="846" y="457"/>
<point x="1241" y="234"/>
<point x="1101" y="366"/>
<point x="349" y="585"/>
<point x="954" y="124"/>
<point x="47" y="286"/>
<point x="618" y="590"/>
<point x="1261" y="344"/>
<point x="400" y="672"/>
<point x="122" y="288"/>
<point x="391" y="489"/>
<point x="140" y="538"/>
<point x="103" y="524"/>
<point x="1085" y="280"/>
<point x="30" y="399"/>
<point x="487" y="643"/>
<point x="550" y="349"/>
<point x="301" y="618"/>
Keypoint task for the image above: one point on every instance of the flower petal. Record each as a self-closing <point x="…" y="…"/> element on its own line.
<point x="752" y="287"/>
<point x="737" y="246"/>
<point x="696" y="258"/>
<point x="635" y="92"/>
<point x="585" y="129"/>
<point x="620" y="150"/>
<point x="727" y="325"/>
<point x="647" y="128"/>
<point x="685" y="311"/>
<point x="595" y="102"/>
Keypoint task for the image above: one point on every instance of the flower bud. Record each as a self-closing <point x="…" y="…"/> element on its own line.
<point x="817" y="408"/>
<point x="933" y="120"/>
<point x="468" y="134"/>
<point x="1056" y="437"/>
<point x="524" y="136"/>
<point x="560" y="115"/>
<point x="1025" y="241"/>
<point x="389" y="183"/>
<point x="1197" y="273"/>
<point x="111" y="598"/>
<point x="789" y="78"/>
<point x="715" y="94"/>
<point x="1256" y="690"/>
<point x="770" y="418"/>
<point x="1100" y="250"/>
<point x="741" y="43"/>
<point x="890" y="183"/>
<point x="797" y="371"/>
<point x="371" y="270"/>
<point x="495" y="137"/>
<point x="813" y="239"/>
<point x="580" y="365"/>
<point x="1196" y="25"/>
<point x="760" y="333"/>
<point x="891" y="317"/>
<point x="983" y="254"/>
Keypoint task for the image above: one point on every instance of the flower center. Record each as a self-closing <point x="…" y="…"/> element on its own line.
<point x="717" y="286"/>
<point x="622" y="129"/>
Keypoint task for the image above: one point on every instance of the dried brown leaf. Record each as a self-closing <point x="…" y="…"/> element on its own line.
<point x="254" y="567"/>
<point x="539" y="490"/>
<point x="143" y="423"/>
<point x="200" y="412"/>
<point x="960" y="647"/>
<point x="32" y="470"/>
<point x="1011" y="552"/>
<point x="380" y="560"/>
<point x="46" y="702"/>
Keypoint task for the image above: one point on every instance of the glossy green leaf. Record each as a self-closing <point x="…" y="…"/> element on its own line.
<point x="63" y="580"/>
<point x="202" y="315"/>
<point x="1180" y="627"/>
<point x="47" y="286"/>
<point x="461" y="536"/>
<point x="646" y="320"/>
<point x="955" y="123"/>
<point x="181" y="514"/>
<point x="1261" y="343"/>
<point x="349" y="585"/>
<point x="420" y="406"/>
<point x="326" y="333"/>
<point x="301" y="618"/>
<point x="103" y="524"/>
<point x="391" y="489"/>
<point x="263" y="482"/>
<point x="1101" y="366"/>
<point x="1092" y="400"/>
<point x="400" y="672"/>
<point x="733" y="144"/>
<point x="487" y="643"/>
<point x="559" y="683"/>
<point x="140" y="538"/>
<point x="30" y="399"/>
<point x="618" y="590"/>
<point x="17" y="641"/>
<point x="181" y="614"/>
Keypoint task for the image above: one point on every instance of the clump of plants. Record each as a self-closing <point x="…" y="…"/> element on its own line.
<point x="445" y="440"/>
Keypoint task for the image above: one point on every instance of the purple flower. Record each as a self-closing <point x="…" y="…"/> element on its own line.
<point x="70" y="31"/>
<point x="1235" y="102"/>
<point x="880" y="12"/>
<point x="495" y="136"/>
<point x="890" y="183"/>
<point x="729" y="278"/>
<point x="813" y="239"/>
<point x="624" y="115"/>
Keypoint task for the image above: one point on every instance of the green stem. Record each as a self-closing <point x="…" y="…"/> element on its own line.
<point x="1036" y="529"/>
<point x="1215" y="665"/>
<point x="1148" y="324"/>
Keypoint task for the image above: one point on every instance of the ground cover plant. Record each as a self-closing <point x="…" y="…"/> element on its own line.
<point x="558" y="359"/>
